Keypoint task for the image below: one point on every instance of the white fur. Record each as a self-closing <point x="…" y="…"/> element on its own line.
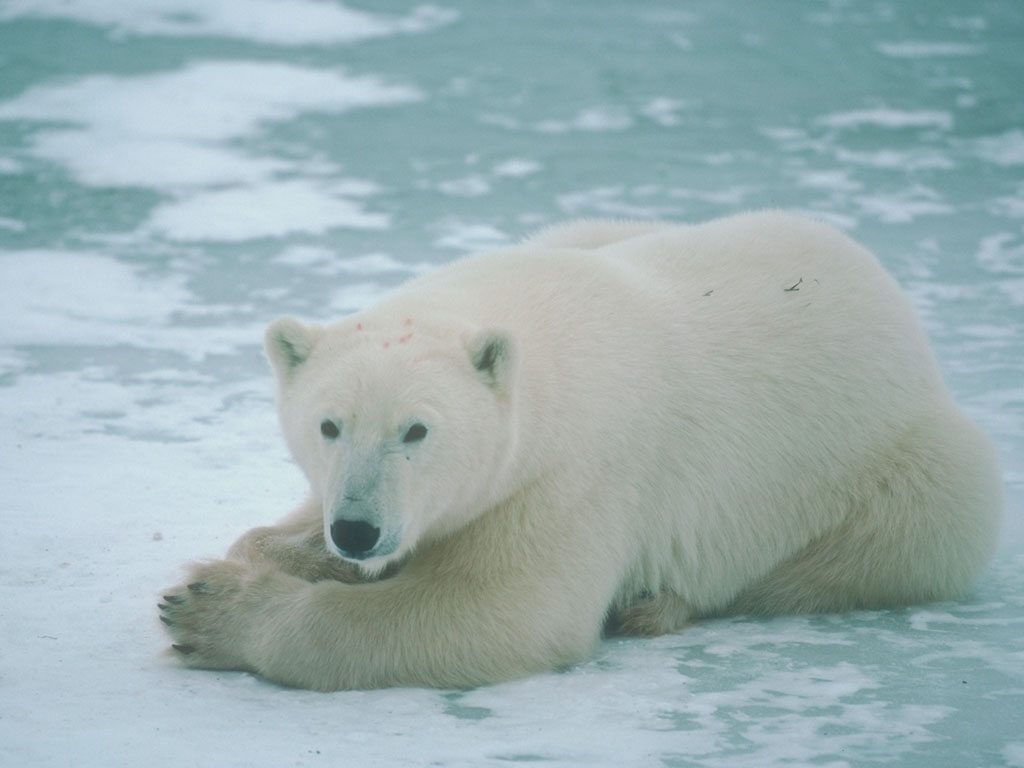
<point x="648" y="422"/>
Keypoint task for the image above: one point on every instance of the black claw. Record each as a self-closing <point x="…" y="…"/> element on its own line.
<point x="167" y="621"/>
<point x="175" y="599"/>
<point x="162" y="606"/>
<point x="199" y="587"/>
<point x="184" y="650"/>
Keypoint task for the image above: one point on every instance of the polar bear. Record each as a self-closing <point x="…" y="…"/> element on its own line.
<point x="635" y="425"/>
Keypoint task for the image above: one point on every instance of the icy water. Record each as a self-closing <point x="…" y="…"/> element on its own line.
<point x="176" y="173"/>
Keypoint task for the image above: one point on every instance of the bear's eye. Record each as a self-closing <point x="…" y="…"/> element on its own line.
<point x="329" y="429"/>
<point x="415" y="433"/>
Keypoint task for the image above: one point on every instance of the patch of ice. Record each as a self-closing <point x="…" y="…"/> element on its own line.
<point x="992" y="332"/>
<point x="1006" y="149"/>
<point x="1011" y="206"/>
<point x="1013" y="290"/>
<point x="919" y="49"/>
<point x="275" y="22"/>
<point x="836" y="219"/>
<point x="153" y="162"/>
<point x="354" y="297"/>
<point x="922" y="620"/>
<point x="12" y="361"/>
<point x="888" y="118"/>
<point x="663" y="111"/>
<point x="1001" y="253"/>
<point x="904" y="206"/>
<point x="12" y="225"/>
<point x="174" y="128"/>
<point x="324" y="261"/>
<point x="592" y="120"/>
<point x="306" y="256"/>
<point x="80" y="298"/>
<point x="500" y="121"/>
<point x="516" y="168"/>
<point x="9" y="166"/>
<point x="62" y="298"/>
<point x="902" y="160"/>
<point x="614" y="201"/>
<point x="681" y="41"/>
<point x="380" y="263"/>
<point x="970" y="23"/>
<point x="831" y="180"/>
<point x="206" y="101"/>
<point x="167" y="410"/>
<point x="460" y="236"/>
<point x="1013" y="754"/>
<point x="780" y="716"/>
<point x="270" y="209"/>
<point x="467" y="186"/>
<point x="785" y="134"/>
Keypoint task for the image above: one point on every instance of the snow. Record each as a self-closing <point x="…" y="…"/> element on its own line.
<point x="176" y="173"/>
<point x="272" y="209"/>
<point x="185" y="132"/>
<point x="1002" y="149"/>
<point x="212" y="101"/>
<point x="888" y="118"/>
<point x="916" y="49"/>
<point x="275" y="22"/>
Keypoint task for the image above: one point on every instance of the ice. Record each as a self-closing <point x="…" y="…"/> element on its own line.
<point x="460" y="236"/>
<point x="323" y="261"/>
<point x="467" y="186"/>
<point x="597" y="118"/>
<point x="1004" y="149"/>
<point x="917" y="49"/>
<point x="889" y="118"/>
<point x="271" y="209"/>
<point x="175" y="173"/>
<point x="1014" y="754"/>
<point x="913" y="159"/>
<point x="276" y="22"/>
<point x="181" y="131"/>
<point x="517" y="168"/>
<point x="905" y="205"/>
<point x="100" y="158"/>
<point x="83" y="299"/>
<point x="203" y="101"/>
<point x="664" y="111"/>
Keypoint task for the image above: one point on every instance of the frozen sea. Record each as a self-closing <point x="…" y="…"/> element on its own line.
<point x="176" y="173"/>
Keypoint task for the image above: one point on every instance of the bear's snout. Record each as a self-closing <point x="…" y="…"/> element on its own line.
<point x="354" y="537"/>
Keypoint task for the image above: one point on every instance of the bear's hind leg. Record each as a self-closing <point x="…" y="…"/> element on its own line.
<point x="650" y="615"/>
<point x="921" y="527"/>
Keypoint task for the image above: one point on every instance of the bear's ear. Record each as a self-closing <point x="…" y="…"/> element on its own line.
<point x="288" y="343"/>
<point x="495" y="356"/>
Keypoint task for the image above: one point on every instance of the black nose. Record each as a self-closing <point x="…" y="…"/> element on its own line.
<point x="354" y="537"/>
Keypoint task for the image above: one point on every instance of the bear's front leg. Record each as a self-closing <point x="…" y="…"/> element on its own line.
<point x="221" y="610"/>
<point x="439" y="629"/>
<point x="302" y="554"/>
<point x="295" y="546"/>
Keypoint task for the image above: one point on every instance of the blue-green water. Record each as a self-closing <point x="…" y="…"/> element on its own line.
<point x="175" y="173"/>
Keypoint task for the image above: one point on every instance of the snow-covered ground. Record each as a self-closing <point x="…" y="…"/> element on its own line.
<point x="174" y="174"/>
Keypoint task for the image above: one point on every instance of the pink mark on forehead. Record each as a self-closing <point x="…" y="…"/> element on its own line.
<point x="359" y="326"/>
<point x="403" y="339"/>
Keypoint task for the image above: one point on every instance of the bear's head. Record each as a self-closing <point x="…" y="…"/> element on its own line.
<point x="404" y="431"/>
